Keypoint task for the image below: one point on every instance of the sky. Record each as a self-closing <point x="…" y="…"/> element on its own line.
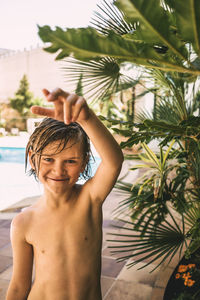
<point x="19" y="19"/>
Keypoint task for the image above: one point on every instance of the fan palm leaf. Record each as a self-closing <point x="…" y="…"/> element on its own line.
<point x="157" y="243"/>
<point x="108" y="18"/>
<point x="166" y="111"/>
<point x="100" y="78"/>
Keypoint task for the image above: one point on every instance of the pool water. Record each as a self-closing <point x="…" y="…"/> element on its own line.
<point x="10" y="154"/>
<point x="15" y="185"/>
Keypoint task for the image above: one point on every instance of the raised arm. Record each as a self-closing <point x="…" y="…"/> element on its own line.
<point x="72" y="108"/>
<point x="110" y="153"/>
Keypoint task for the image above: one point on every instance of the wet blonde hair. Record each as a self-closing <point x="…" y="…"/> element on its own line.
<point x="51" y="130"/>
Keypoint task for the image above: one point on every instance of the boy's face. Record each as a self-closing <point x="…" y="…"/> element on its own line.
<point x="59" y="172"/>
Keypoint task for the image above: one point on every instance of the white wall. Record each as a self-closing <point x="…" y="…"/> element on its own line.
<point x="40" y="67"/>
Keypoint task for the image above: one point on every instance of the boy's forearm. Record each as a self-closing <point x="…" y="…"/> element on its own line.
<point x="15" y="294"/>
<point x="102" y="139"/>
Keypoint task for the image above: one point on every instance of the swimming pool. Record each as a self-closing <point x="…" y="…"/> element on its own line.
<point x="11" y="154"/>
<point x="15" y="185"/>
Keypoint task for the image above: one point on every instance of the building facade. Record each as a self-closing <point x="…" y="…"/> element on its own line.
<point x="41" y="68"/>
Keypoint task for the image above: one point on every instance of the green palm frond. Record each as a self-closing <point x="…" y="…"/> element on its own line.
<point x="155" y="36"/>
<point x="165" y="111"/>
<point x="188" y="20"/>
<point x="100" y="78"/>
<point x="171" y="86"/>
<point x="192" y="223"/>
<point x="87" y="44"/>
<point x="108" y="18"/>
<point x="144" y="114"/>
<point x="194" y="100"/>
<point x="177" y="97"/>
<point x="192" y="215"/>
<point x="141" y="205"/>
<point x="161" y="243"/>
<point x="151" y="191"/>
<point x="166" y="108"/>
<point x="150" y="16"/>
<point x="151" y="160"/>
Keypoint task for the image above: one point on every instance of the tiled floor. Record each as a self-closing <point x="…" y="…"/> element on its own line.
<point x="5" y="257"/>
<point x="118" y="281"/>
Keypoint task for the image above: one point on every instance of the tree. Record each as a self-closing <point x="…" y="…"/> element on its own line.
<point x="163" y="39"/>
<point x="24" y="99"/>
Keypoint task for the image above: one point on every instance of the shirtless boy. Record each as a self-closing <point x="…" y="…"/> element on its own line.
<point x="62" y="231"/>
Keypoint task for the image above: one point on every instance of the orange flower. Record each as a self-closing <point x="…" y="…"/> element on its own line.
<point x="190" y="282"/>
<point x="182" y="268"/>
<point x="190" y="266"/>
<point x="186" y="276"/>
<point x="186" y="281"/>
<point x="178" y="275"/>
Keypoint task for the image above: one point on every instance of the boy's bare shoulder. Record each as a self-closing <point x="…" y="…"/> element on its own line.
<point x="23" y="219"/>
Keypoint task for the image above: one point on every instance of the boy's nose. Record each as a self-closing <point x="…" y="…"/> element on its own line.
<point x="59" y="170"/>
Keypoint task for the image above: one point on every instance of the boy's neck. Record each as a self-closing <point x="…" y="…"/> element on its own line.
<point x="54" y="201"/>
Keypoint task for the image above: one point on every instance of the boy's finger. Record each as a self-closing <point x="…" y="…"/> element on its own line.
<point x="45" y="92"/>
<point x="77" y="108"/>
<point x="57" y="94"/>
<point x="68" y="103"/>
<point x="42" y="111"/>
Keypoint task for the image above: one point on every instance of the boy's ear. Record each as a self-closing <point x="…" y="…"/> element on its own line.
<point x="83" y="167"/>
<point x="84" y="164"/>
<point x="30" y="155"/>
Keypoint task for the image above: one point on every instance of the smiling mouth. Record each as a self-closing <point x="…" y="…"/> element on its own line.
<point x="58" y="179"/>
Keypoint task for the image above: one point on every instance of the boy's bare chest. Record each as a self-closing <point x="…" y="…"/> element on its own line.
<point x="73" y="229"/>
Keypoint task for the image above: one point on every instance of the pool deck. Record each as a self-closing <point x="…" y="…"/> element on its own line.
<point x="14" y="141"/>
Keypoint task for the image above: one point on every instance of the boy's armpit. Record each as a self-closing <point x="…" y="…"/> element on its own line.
<point x="103" y="182"/>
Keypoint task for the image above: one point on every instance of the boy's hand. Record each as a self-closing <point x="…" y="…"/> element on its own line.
<point x="67" y="107"/>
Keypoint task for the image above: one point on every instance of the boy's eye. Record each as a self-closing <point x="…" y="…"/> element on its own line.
<point x="48" y="159"/>
<point x="71" y="161"/>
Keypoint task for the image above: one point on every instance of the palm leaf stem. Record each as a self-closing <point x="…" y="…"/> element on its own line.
<point x="194" y="25"/>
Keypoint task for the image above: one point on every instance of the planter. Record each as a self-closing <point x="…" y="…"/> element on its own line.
<point x="184" y="283"/>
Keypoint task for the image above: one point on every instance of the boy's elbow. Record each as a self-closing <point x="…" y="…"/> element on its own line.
<point x="16" y="292"/>
<point x="119" y="162"/>
<point x="13" y="295"/>
<point x="120" y="158"/>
